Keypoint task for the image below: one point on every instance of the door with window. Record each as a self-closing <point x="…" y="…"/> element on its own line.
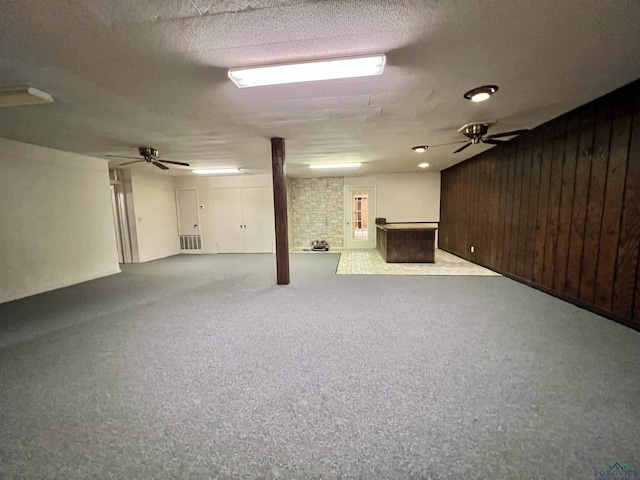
<point x="359" y="214"/>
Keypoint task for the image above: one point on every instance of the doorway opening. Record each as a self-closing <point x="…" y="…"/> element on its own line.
<point x="120" y="218"/>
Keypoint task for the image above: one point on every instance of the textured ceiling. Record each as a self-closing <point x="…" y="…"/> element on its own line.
<point x="154" y="73"/>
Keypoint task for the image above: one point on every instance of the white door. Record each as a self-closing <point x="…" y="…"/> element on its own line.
<point x="257" y="220"/>
<point x="227" y="220"/>
<point x="187" y="201"/>
<point x="359" y="214"/>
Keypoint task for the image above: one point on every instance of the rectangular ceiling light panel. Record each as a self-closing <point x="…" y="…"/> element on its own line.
<point x="16" y="97"/>
<point x="321" y="166"/>
<point x="308" y="71"/>
<point x="216" y="171"/>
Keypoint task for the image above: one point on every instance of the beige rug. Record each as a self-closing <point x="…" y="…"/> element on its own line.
<point x="369" y="262"/>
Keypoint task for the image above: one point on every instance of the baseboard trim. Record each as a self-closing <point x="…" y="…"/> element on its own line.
<point x="57" y="285"/>
<point x="578" y="303"/>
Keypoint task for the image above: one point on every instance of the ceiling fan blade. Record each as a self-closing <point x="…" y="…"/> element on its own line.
<point x="172" y="162"/>
<point x="120" y="156"/>
<point x="493" y="141"/>
<point x="445" y="144"/>
<point x="507" y="134"/>
<point x="463" y="147"/>
<point x="130" y="163"/>
<point x="159" y="165"/>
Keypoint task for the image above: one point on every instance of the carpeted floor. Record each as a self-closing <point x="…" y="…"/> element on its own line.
<point x="201" y="367"/>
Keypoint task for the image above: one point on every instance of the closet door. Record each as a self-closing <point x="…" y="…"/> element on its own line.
<point x="187" y="200"/>
<point x="227" y="220"/>
<point x="257" y="211"/>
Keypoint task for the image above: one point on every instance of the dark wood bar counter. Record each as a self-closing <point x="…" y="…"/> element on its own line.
<point x="406" y="242"/>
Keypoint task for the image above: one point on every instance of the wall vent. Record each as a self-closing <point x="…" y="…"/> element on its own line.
<point x="190" y="243"/>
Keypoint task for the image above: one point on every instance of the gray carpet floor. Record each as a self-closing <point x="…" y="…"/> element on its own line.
<point x="202" y="367"/>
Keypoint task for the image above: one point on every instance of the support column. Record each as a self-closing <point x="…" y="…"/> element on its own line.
<point x="280" y="210"/>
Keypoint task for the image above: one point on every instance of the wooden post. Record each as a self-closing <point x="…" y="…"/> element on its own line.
<point x="280" y="210"/>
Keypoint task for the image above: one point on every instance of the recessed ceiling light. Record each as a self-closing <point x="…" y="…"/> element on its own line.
<point x="308" y="71"/>
<point x="420" y="148"/>
<point x="481" y="94"/>
<point x="334" y="165"/>
<point x="423" y="165"/>
<point x="216" y="171"/>
<point x="15" y="97"/>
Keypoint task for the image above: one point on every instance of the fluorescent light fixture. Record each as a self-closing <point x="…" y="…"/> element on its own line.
<point x="308" y="71"/>
<point x="334" y="165"/>
<point x="216" y="171"/>
<point x="423" y="165"/>
<point x="15" y="97"/>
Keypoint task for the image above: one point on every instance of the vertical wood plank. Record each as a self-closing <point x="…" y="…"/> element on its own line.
<point x="523" y="233"/>
<point x="473" y="217"/>
<point x="528" y="232"/>
<point x="536" y="170"/>
<point x="484" y="226"/>
<point x="566" y="202"/>
<point x="508" y="226"/>
<point x="612" y="209"/>
<point x="502" y="195"/>
<point x="546" y="148"/>
<point x="629" y="242"/>
<point x="557" y="162"/>
<point x="581" y="193"/>
<point x="464" y="230"/>
<point x="517" y="200"/>
<point x="595" y="202"/>
<point x="496" y="177"/>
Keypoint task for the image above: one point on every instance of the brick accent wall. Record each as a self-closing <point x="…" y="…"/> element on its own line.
<point x="316" y="211"/>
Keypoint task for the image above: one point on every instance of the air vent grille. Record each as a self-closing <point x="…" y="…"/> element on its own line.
<point x="190" y="243"/>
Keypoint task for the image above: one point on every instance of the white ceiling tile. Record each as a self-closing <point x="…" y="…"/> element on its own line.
<point x="127" y="73"/>
<point x="355" y="101"/>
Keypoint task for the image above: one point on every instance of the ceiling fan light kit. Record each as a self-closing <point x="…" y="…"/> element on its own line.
<point x="480" y="94"/>
<point x="308" y="71"/>
<point x="475" y="132"/>
<point x="16" y="97"/>
<point x="149" y="155"/>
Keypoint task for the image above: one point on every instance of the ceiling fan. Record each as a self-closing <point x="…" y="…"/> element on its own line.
<point x="477" y="131"/>
<point x="149" y="155"/>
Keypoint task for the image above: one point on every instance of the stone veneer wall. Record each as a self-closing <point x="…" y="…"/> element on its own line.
<point x="316" y="211"/>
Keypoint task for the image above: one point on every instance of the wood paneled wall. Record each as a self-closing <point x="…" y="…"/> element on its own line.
<point x="558" y="207"/>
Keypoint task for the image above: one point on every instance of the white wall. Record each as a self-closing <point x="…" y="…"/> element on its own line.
<point x="56" y="222"/>
<point x="204" y="187"/>
<point x="156" y="220"/>
<point x="404" y="197"/>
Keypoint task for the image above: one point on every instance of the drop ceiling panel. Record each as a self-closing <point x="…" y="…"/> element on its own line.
<point x="125" y="74"/>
